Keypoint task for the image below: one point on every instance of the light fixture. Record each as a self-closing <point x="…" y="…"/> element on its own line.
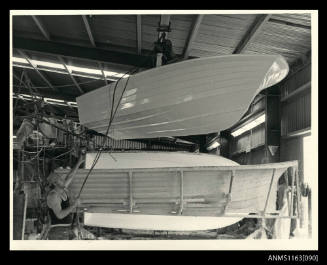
<point x="214" y="145"/>
<point x="19" y="60"/>
<point x="84" y="70"/>
<point x="25" y="96"/>
<point x="74" y="70"/>
<point x="259" y="120"/>
<point x="57" y="103"/>
<point x="73" y="104"/>
<point x="115" y="74"/>
<point x="52" y="101"/>
<point x="47" y="64"/>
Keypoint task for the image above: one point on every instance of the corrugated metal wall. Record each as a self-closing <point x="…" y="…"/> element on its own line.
<point x="292" y="149"/>
<point x="296" y="80"/>
<point x="296" y="113"/>
<point x="296" y="109"/>
<point x="248" y="141"/>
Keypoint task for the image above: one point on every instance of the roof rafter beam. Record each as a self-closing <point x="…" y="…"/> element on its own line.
<point x="139" y="33"/>
<point x="29" y="86"/>
<point x="252" y="33"/>
<point x="88" y="29"/>
<point x="41" y="27"/>
<point x="23" y="84"/>
<point x="47" y="36"/>
<point x="19" y="79"/>
<point x="288" y="23"/>
<point x="38" y="72"/>
<point x="192" y="35"/>
<point x="46" y="93"/>
<point x="87" y="53"/>
<point x="70" y="75"/>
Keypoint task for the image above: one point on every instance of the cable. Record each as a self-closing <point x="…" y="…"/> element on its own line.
<point x="103" y="140"/>
<point x="112" y="115"/>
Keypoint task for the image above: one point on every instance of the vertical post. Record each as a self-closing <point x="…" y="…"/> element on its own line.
<point x="266" y="127"/>
<point x="231" y="181"/>
<point x="22" y="166"/>
<point x="181" y="192"/>
<point x="24" y="215"/>
<point x="263" y="223"/>
<point x="298" y="197"/>
<point x="17" y="177"/>
<point x="70" y="159"/>
<point x="287" y="188"/>
<point x="292" y="200"/>
<point x="269" y="191"/>
<point x="309" y="213"/>
<point x="228" y="199"/>
<point x="38" y="156"/>
<point x="292" y="191"/>
<point x="130" y="174"/>
<point x="158" y="61"/>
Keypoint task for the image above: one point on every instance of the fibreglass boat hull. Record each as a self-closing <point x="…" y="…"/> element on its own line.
<point x="197" y="96"/>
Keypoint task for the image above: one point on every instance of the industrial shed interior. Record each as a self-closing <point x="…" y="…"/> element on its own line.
<point x="243" y="177"/>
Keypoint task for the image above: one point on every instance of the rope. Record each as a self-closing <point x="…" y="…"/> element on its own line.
<point x="112" y="116"/>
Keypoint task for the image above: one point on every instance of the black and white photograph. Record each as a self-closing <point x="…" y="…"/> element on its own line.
<point x="163" y="130"/>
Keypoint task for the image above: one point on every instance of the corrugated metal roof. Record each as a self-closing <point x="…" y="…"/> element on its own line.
<point x="281" y="39"/>
<point x="25" y="26"/>
<point x="218" y="34"/>
<point x="116" y="30"/>
<point x="66" y="28"/>
<point x="149" y="30"/>
<point x="180" y="26"/>
<point x="300" y="19"/>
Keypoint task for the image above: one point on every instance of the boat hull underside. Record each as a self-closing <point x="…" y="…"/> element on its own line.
<point x="157" y="222"/>
<point x="198" y="96"/>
